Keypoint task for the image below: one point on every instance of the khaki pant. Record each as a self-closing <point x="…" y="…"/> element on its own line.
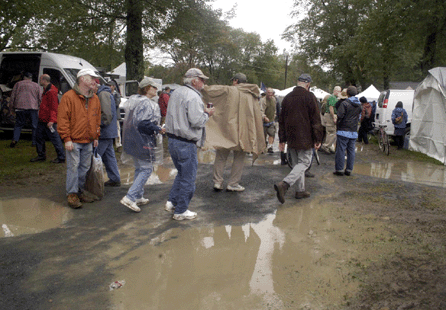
<point x="238" y="163"/>
<point x="330" y="129"/>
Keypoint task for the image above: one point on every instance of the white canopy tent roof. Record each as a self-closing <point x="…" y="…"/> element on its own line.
<point x="319" y="93"/>
<point x="427" y="132"/>
<point x="371" y="94"/>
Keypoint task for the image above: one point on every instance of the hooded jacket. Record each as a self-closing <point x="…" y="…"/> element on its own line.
<point x="396" y="113"/>
<point x="348" y="115"/>
<point x="109" y="127"/>
<point x="79" y="116"/>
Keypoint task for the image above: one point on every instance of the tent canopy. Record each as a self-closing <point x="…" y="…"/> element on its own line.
<point x="319" y="93"/>
<point x="427" y="132"/>
<point x="371" y="94"/>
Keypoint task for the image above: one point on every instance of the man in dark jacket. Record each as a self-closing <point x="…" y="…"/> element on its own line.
<point x="47" y="125"/>
<point x="347" y="126"/>
<point x="109" y="131"/>
<point x="300" y="127"/>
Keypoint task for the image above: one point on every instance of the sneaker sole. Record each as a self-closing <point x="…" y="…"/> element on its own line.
<point x="130" y="206"/>
<point x="182" y="218"/>
<point x="142" y="203"/>
<point x="234" y="190"/>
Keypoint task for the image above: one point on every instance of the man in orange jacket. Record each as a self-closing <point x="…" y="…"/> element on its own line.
<point x="79" y="121"/>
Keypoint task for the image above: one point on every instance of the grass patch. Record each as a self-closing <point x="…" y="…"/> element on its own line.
<point x="15" y="162"/>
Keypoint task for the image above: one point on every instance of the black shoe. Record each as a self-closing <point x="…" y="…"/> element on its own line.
<point x="38" y="158"/>
<point x="270" y="150"/>
<point x="112" y="184"/>
<point x="281" y="189"/>
<point x="340" y="173"/>
<point x="347" y="173"/>
<point x="13" y="144"/>
<point x="308" y="174"/>
<point x="58" y="161"/>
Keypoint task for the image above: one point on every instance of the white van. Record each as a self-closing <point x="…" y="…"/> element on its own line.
<point x="62" y="69"/>
<point x="386" y="104"/>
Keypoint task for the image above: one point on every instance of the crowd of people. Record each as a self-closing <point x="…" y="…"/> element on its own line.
<point x="230" y="118"/>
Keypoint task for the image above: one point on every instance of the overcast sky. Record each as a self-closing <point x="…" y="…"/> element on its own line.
<point x="268" y="19"/>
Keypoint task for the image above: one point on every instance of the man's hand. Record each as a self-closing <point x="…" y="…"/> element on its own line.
<point x="209" y="111"/>
<point x="163" y="130"/>
<point x="95" y="143"/>
<point x="282" y="146"/>
<point x="266" y="119"/>
<point x="50" y="124"/>
<point x="69" y="145"/>
<point x="317" y="146"/>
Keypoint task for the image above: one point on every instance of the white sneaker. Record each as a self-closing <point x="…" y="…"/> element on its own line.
<point x="169" y="207"/>
<point x="130" y="204"/>
<point x="218" y="187"/>
<point x="235" y="188"/>
<point x="186" y="215"/>
<point x="141" y="201"/>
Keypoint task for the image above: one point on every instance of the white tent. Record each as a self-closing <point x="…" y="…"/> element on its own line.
<point x="371" y="94"/>
<point x="319" y="93"/>
<point x="427" y="132"/>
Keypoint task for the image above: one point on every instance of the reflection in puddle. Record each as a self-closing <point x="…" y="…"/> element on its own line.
<point x="31" y="215"/>
<point x="405" y="171"/>
<point x="296" y="258"/>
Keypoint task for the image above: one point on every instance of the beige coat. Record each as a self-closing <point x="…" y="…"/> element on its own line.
<point x="237" y="121"/>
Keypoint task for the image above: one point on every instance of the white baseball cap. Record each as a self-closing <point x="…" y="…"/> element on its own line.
<point x="87" y="72"/>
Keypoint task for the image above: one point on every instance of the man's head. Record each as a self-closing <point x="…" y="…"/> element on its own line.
<point x="28" y="76"/>
<point x="86" y="78"/>
<point x="239" y="78"/>
<point x="148" y="87"/>
<point x="269" y="93"/>
<point x="45" y="79"/>
<point x="167" y="89"/>
<point x="343" y="94"/>
<point x="363" y="99"/>
<point x="195" y="78"/>
<point x="352" y="91"/>
<point x="337" y="90"/>
<point x="304" y="80"/>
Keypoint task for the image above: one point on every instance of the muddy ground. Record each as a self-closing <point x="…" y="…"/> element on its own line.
<point x="358" y="242"/>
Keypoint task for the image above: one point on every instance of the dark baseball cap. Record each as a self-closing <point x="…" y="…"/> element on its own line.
<point x="240" y="77"/>
<point x="305" y="78"/>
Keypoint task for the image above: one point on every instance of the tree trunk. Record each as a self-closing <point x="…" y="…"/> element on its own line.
<point x="134" y="51"/>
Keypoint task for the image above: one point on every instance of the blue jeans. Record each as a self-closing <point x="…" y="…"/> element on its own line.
<point x="184" y="157"/>
<point x="342" y="145"/>
<point x="107" y="153"/>
<point x="78" y="164"/>
<point x="42" y="132"/>
<point x="143" y="170"/>
<point x="20" y="121"/>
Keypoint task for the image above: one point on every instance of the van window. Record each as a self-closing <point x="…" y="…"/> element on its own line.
<point x="381" y="99"/>
<point x="58" y="80"/>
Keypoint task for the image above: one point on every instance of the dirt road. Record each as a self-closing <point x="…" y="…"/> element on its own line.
<point x="368" y="241"/>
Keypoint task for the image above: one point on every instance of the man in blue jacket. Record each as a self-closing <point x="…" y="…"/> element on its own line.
<point x="347" y="132"/>
<point x="109" y="132"/>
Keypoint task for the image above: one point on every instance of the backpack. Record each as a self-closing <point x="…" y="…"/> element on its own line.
<point x="399" y="119"/>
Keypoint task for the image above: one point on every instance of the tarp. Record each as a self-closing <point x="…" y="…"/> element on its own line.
<point x="371" y="94"/>
<point x="427" y="132"/>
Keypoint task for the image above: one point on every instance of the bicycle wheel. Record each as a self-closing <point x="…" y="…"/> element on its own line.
<point x="380" y="140"/>
<point x="386" y="144"/>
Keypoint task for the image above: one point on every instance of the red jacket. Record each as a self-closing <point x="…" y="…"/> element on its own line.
<point x="49" y="104"/>
<point x="162" y="101"/>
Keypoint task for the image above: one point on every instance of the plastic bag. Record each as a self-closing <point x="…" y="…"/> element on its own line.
<point x="95" y="176"/>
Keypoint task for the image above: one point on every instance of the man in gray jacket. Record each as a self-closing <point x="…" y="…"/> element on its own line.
<point x="185" y="126"/>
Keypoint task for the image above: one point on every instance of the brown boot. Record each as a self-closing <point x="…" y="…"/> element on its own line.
<point x="281" y="189"/>
<point x="87" y="197"/>
<point x="300" y="195"/>
<point x="73" y="201"/>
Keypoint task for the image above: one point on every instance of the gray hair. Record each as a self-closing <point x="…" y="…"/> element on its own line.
<point x="188" y="81"/>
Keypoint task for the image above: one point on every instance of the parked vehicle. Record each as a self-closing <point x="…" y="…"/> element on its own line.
<point x="386" y="104"/>
<point x="62" y="69"/>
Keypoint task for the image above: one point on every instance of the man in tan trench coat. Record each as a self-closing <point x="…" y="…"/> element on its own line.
<point x="236" y="126"/>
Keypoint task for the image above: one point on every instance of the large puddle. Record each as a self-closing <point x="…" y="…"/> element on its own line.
<point x="300" y="258"/>
<point x="30" y="216"/>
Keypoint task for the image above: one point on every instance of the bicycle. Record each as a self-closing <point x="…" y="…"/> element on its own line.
<point x="383" y="140"/>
